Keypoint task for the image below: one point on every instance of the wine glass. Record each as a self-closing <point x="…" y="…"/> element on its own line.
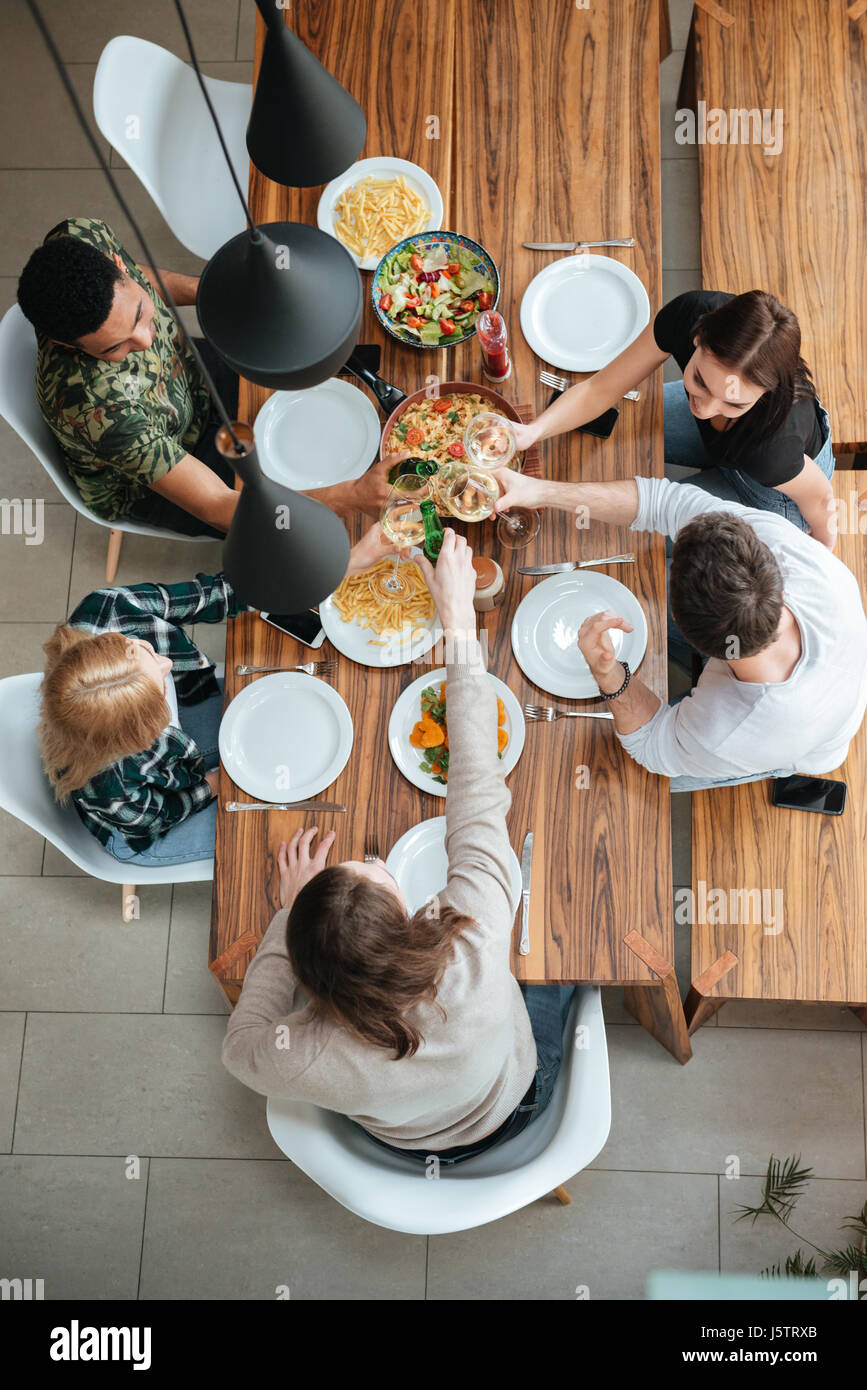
<point x="468" y="493"/>
<point x="403" y="524"/>
<point x="489" y="440"/>
<point x="516" y="528"/>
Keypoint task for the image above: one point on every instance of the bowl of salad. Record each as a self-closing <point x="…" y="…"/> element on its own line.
<point x="429" y="290"/>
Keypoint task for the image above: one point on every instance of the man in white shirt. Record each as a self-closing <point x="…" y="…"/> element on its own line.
<point x="779" y="618"/>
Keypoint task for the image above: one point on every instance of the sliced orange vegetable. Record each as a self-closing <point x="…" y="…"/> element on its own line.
<point x="442" y="692"/>
<point x="433" y="738"/>
<point x="502" y="739"/>
<point x="416" y="736"/>
<point x="501" y="711"/>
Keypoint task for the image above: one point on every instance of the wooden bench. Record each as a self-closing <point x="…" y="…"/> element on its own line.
<point x="793" y="222"/>
<point x="812" y="869"/>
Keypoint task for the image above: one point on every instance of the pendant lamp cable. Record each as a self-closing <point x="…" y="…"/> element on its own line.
<point x="240" y="448"/>
<point x="255" y="233"/>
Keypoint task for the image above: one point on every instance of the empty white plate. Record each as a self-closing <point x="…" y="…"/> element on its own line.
<point x="286" y="737"/>
<point x="418" y="862"/>
<point x="407" y="712"/>
<point x="327" y="434"/>
<point x="545" y="630"/>
<point x="381" y="167"/>
<point x="581" y="311"/>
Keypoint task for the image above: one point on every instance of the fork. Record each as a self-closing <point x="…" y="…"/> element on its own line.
<point x="310" y="668"/>
<point x="560" y="383"/>
<point x="548" y="713"/>
<point x="371" y="851"/>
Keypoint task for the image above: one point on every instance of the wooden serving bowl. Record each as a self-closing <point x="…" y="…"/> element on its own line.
<point x="451" y="388"/>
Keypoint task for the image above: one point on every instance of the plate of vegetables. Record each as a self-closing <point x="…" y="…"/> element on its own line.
<point x="418" y="735"/>
<point x="429" y="289"/>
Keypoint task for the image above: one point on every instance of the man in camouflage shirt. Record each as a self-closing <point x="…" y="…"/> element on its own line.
<point x="122" y="393"/>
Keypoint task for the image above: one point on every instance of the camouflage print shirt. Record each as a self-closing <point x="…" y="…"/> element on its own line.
<point x="122" y="425"/>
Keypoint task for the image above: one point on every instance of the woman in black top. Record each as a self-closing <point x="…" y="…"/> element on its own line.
<point x="746" y="411"/>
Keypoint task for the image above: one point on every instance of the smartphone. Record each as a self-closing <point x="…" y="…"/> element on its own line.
<point x="810" y="794"/>
<point x="304" y="627"/>
<point x="602" y="426"/>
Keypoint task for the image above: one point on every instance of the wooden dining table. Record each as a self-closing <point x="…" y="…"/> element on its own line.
<point x="538" y="123"/>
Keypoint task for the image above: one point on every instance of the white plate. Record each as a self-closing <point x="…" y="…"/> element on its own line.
<point x="545" y="630"/>
<point x="327" y="434"/>
<point x="381" y="167"/>
<point x="407" y="712"/>
<point x="285" y="737"/>
<point x="360" y="643"/>
<point x="418" y="861"/>
<point x="581" y="311"/>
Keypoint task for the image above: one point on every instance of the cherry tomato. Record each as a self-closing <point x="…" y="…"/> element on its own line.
<point x="485" y="299"/>
<point x="442" y="405"/>
<point x="416" y="263"/>
<point x="466" y="306"/>
<point x="413" y="322"/>
<point x="456" y="450"/>
<point x="385" y="303"/>
<point x="453" y="267"/>
<point x="415" y="436"/>
<point x="412" y="301"/>
<point x="447" y="326"/>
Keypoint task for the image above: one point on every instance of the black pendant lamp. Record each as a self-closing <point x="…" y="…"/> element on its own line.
<point x="282" y="304"/>
<point x="284" y="552"/>
<point x="304" y="128"/>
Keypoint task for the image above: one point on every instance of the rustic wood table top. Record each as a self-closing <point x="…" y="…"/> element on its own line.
<point x="546" y="128"/>
<point x="811" y="943"/>
<point x="791" y="222"/>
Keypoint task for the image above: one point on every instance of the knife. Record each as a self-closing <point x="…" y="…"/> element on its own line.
<point x="526" y="867"/>
<point x="577" y="564"/>
<point x="573" y="245"/>
<point x="283" y="806"/>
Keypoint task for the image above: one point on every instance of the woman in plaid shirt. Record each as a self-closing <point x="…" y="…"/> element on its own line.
<point x="131" y="713"/>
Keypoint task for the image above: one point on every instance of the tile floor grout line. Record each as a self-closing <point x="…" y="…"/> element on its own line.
<point x="238" y="31"/>
<point x="144" y="1219"/>
<point x="169" y="950"/>
<point x="719" y="1223"/>
<point x="18" y="1086"/>
<point x="426" y="1265"/>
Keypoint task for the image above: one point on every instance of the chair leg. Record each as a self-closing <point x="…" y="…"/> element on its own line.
<point x="562" y="1196"/>
<point x="129" y="902"/>
<point x="113" y="556"/>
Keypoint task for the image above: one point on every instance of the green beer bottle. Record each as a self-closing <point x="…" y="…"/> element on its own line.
<point x="433" y="530"/>
<point x="422" y="468"/>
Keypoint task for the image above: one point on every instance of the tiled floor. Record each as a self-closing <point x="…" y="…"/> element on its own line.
<point x="123" y="1142"/>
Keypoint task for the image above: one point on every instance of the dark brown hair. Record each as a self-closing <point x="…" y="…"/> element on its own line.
<point x="760" y="339"/>
<point x="363" y="961"/>
<point x="725" y="584"/>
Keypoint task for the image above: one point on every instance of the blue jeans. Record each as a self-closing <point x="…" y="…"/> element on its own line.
<point x="192" y="838"/>
<point x="685" y="447"/>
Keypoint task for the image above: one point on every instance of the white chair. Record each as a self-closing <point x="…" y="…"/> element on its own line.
<point x="26" y="793"/>
<point x="149" y="106"/>
<point x="395" y="1192"/>
<point x="19" y="407"/>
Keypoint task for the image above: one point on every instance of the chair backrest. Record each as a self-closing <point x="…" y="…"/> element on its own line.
<point x="20" y="408"/>
<point x="25" y="792"/>
<point x="391" y="1191"/>
<point x="149" y="106"/>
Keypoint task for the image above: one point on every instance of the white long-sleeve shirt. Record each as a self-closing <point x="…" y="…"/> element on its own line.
<point x="730" y="728"/>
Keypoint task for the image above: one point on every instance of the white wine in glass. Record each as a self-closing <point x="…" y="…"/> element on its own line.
<point x="469" y="493"/>
<point x="402" y="522"/>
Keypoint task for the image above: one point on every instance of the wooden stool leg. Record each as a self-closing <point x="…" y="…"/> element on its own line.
<point x="562" y="1196"/>
<point x="128" y="901"/>
<point x="860" y="1011"/>
<point x="698" y="1007"/>
<point x="113" y="556"/>
<point x="657" y="1006"/>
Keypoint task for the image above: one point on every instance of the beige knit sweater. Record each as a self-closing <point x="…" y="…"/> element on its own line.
<point x="474" y="1066"/>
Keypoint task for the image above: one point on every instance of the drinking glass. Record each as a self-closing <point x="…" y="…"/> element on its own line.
<point x="489" y="440"/>
<point x="468" y="493"/>
<point x="403" y="524"/>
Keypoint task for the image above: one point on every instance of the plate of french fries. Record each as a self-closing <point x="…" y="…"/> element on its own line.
<point x="374" y="632"/>
<point x="376" y="203"/>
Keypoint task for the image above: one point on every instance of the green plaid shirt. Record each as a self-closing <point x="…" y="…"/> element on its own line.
<point x="144" y="795"/>
<point x="121" y="425"/>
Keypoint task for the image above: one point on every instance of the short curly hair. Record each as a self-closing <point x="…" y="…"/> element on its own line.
<point x="725" y="588"/>
<point x="66" y="289"/>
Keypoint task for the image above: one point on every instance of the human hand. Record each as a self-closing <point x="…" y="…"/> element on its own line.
<point x="598" y="650"/>
<point x="525" y="435"/>
<point x="373" y="547"/>
<point x="452" y="583"/>
<point x="370" y="492"/>
<point x="517" y="490"/>
<point x="296" y="864"/>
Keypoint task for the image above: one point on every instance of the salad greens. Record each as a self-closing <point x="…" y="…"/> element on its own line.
<point x="433" y="293"/>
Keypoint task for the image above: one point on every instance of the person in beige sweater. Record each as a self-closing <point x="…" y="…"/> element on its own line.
<point x="413" y="1026"/>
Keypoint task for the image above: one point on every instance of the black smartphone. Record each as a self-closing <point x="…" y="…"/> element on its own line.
<point x="810" y="794"/>
<point x="602" y="426"/>
<point x="304" y="627"/>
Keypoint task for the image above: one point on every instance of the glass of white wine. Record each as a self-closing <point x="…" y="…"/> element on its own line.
<point x="489" y="440"/>
<point x="403" y="523"/>
<point x="469" y="493"/>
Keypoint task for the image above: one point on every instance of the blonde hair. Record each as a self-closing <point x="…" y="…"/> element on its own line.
<point x="98" y="706"/>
